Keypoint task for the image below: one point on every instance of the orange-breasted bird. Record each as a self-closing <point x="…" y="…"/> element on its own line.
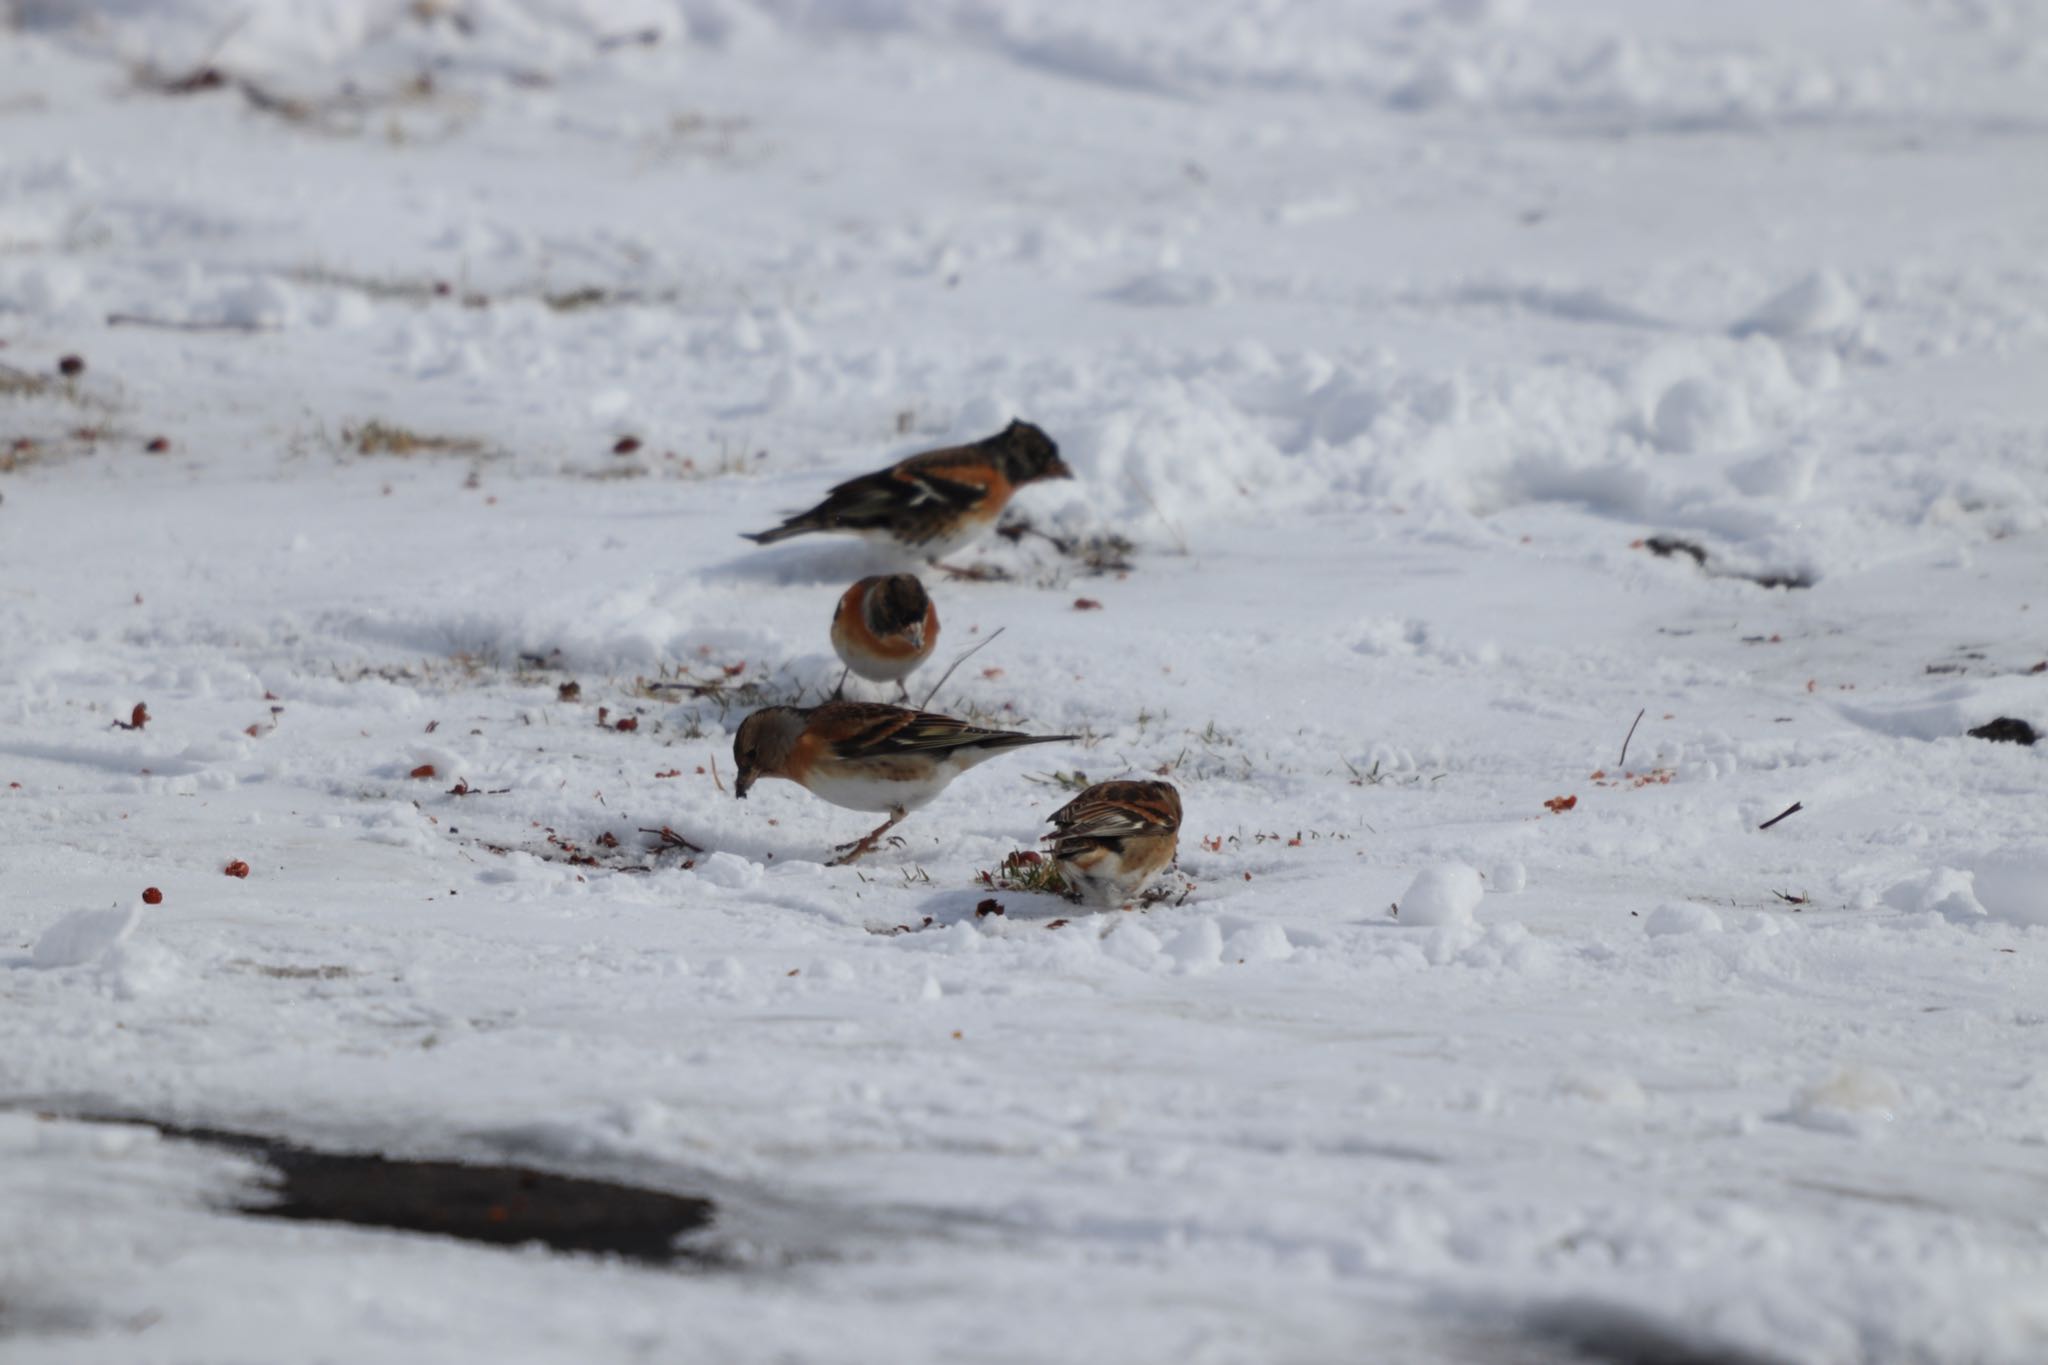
<point x="1112" y="840"/>
<point x="884" y="627"/>
<point x="865" y="756"/>
<point x="937" y="502"/>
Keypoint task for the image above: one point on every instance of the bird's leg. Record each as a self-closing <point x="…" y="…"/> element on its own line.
<point x="866" y="843"/>
<point x="839" y="688"/>
<point x="902" y="690"/>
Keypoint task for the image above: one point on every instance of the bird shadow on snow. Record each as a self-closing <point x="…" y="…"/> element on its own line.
<point x="719" y="830"/>
<point x="947" y="908"/>
<point x="840" y="560"/>
<point x="113" y="761"/>
<point x="832" y="560"/>
<point x="1584" y="1331"/>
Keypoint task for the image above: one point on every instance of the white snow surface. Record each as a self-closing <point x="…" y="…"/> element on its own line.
<point x="1389" y="335"/>
<point x="1445" y="894"/>
<point x="83" y="936"/>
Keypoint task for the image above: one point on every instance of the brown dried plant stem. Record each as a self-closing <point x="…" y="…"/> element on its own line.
<point x="956" y="663"/>
<point x="181" y="325"/>
<point x="1622" y="762"/>
<point x="1790" y="810"/>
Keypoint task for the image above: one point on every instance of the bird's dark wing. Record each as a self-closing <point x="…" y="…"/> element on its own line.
<point x="1113" y="810"/>
<point x="874" y="730"/>
<point x="915" y="499"/>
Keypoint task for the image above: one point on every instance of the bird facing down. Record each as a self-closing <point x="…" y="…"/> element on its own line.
<point x="1114" y="838"/>
<point x="884" y="627"/>
<point x="865" y="756"/>
<point x="936" y="502"/>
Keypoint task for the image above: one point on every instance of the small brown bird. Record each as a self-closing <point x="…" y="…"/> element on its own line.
<point x="884" y="627"/>
<point x="865" y="756"/>
<point x="936" y="502"/>
<point x="1113" y="839"/>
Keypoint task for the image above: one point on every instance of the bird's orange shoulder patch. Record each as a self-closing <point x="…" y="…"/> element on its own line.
<point x="970" y="473"/>
<point x="803" y="755"/>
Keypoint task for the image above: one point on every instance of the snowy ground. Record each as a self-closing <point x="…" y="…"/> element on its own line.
<point x="1388" y="333"/>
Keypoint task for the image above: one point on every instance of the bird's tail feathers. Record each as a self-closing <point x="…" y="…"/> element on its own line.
<point x="1011" y="741"/>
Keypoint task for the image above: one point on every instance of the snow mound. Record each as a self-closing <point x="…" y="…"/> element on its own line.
<point x="1182" y="451"/>
<point x="1196" y="949"/>
<point x="1258" y="943"/>
<point x="2013" y="885"/>
<point x="1675" y="918"/>
<point x="288" y="36"/>
<point x="1448" y="893"/>
<point x="46" y="288"/>
<point x="86" y="935"/>
<point x="1701" y="415"/>
<point x="1854" y="1100"/>
<point x="1485" y="56"/>
<point x="1498" y="57"/>
<point x="730" y="871"/>
<point x="1820" y="304"/>
<point x="1206" y="437"/>
<point x="2010" y="885"/>
<point x="1951" y="711"/>
<point x="1946" y="891"/>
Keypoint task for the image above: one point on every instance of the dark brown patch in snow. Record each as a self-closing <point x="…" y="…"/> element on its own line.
<point x="2006" y="730"/>
<point x="497" y="1205"/>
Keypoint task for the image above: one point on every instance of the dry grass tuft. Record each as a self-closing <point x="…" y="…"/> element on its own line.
<point x="1071" y="782"/>
<point x="1025" y="870"/>
<point x="674" y="467"/>
<point x="722" y="689"/>
<point x="423" y="290"/>
<point x="378" y="437"/>
<point x="1100" y="554"/>
<point x="16" y="383"/>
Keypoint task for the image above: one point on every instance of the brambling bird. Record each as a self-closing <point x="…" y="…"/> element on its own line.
<point x="884" y="627"/>
<point x="936" y="502"/>
<point x="865" y="756"/>
<point x="1114" y="838"/>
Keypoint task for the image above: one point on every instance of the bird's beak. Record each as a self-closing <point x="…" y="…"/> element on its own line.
<point x="742" y="784"/>
<point x="1058" y="470"/>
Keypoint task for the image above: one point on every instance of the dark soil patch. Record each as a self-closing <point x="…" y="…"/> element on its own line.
<point x="498" y="1205"/>
<point x="2006" y="730"/>
<point x="1666" y="547"/>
